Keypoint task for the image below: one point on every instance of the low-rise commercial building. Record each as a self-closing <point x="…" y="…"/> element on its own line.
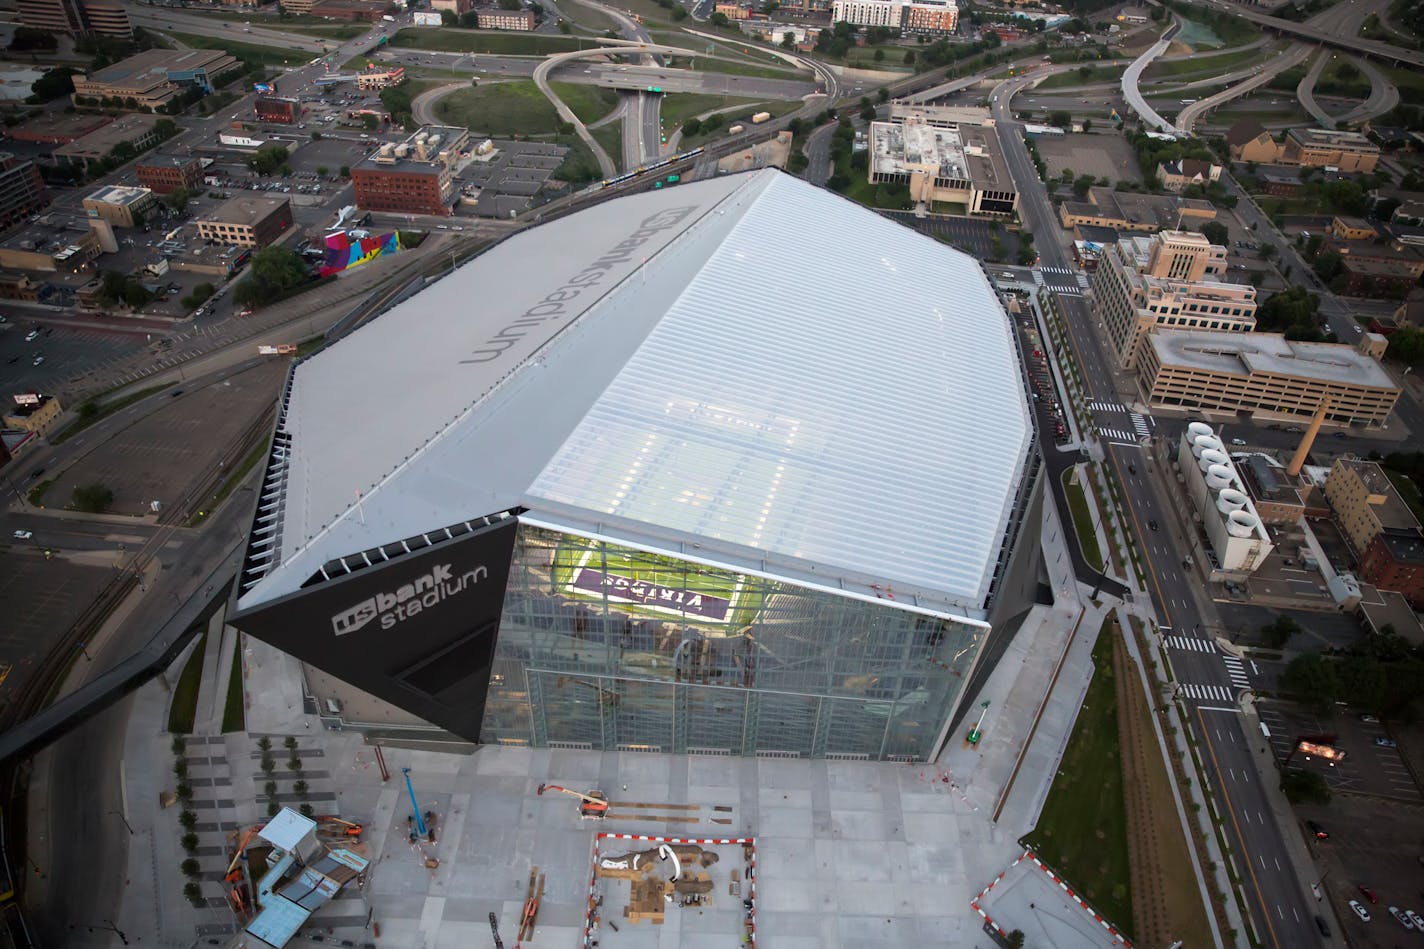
<point x="120" y="205"/>
<point x="165" y="174"/>
<point x="1329" y="148"/>
<point x="498" y="19"/>
<point x="54" y="243"/>
<point x="57" y="128"/>
<point x="1264" y="373"/>
<point x="33" y="412"/>
<point x="457" y="7"/>
<point x="1394" y="561"/>
<point x="1345" y="227"/>
<point x="948" y="163"/>
<point x="380" y="78"/>
<point x="1170" y="281"/>
<point x="1372" y="277"/>
<point x="1365" y="502"/>
<point x="154" y="78"/>
<point x="140" y="131"/>
<point x="22" y="190"/>
<point x="247" y="221"/>
<point x="1130" y="211"/>
<point x="1179" y="175"/>
<point x="415" y="176"/>
<point x="279" y="109"/>
<point x="910" y="16"/>
<point x="1277" y="497"/>
<point x="1280" y="184"/>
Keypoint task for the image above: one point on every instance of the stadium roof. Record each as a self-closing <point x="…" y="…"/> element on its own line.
<point x="747" y="371"/>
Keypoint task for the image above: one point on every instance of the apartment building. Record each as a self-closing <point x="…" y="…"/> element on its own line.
<point x="1365" y="502"/>
<point x="247" y="221"/>
<point x="1169" y="280"/>
<point x="22" y="190"/>
<point x="911" y="16"/>
<point x="1176" y="176"/>
<point x="1263" y="373"/>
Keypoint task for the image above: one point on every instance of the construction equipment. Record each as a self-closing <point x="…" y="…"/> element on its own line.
<point x="530" y="914"/>
<point x="594" y="804"/>
<point x="352" y="829"/>
<point x="232" y="874"/>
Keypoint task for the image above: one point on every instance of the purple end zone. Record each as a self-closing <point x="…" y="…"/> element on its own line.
<point x="635" y="591"/>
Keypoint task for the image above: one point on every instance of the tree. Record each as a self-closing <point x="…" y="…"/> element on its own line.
<point x="1407" y="345"/>
<point x="1081" y="184"/>
<point x="1312" y="678"/>
<point x="268" y="160"/>
<point x="178" y="199"/>
<point x="344" y="171"/>
<point x="909" y="59"/>
<point x="1087" y="125"/>
<point x="788" y="40"/>
<point x="1016" y="939"/>
<point x="1291" y="312"/>
<point x="188" y="819"/>
<point x="193" y="893"/>
<point x="1304" y="787"/>
<point x="274" y="270"/>
<point x="53" y="84"/>
<point x="448" y="18"/>
<point x="879" y="56"/>
<point x="190" y="867"/>
<point x="1061" y="118"/>
<point x="28" y="39"/>
<point x="691" y="127"/>
<point x="1216" y="232"/>
<point x="1278" y="633"/>
<point x="719" y="19"/>
<point x="94" y="499"/>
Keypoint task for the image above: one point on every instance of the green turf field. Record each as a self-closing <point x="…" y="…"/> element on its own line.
<point x="676" y="578"/>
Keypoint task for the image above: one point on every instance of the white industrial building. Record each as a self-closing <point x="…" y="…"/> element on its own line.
<point x="1239" y="540"/>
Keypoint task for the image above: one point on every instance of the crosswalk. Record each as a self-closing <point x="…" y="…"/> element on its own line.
<point x="1118" y="435"/>
<point x="1083" y="281"/>
<point x="1067" y="271"/>
<point x="1213" y="693"/>
<point x="1107" y="406"/>
<point x="1139" y="425"/>
<point x="1191" y="643"/>
<point x="1237" y="672"/>
<point x="1070" y="291"/>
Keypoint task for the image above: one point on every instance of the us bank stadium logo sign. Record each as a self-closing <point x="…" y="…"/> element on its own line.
<point x="408" y="600"/>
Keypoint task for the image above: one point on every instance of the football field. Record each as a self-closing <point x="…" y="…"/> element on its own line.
<point x="644" y="583"/>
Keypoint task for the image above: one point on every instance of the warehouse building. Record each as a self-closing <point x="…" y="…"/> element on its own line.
<point x="642" y="486"/>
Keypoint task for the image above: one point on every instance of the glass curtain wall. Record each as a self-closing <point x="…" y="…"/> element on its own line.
<point x="616" y="649"/>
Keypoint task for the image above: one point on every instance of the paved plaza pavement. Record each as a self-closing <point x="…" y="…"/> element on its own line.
<point x="1029" y="897"/>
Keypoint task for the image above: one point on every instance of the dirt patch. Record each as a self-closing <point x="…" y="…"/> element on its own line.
<point x="1166" y="901"/>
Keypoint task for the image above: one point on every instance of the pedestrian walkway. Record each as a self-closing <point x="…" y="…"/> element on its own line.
<point x="1214" y="693"/>
<point x="1237" y="672"/>
<point x="1139" y="425"/>
<point x="1191" y="643"/>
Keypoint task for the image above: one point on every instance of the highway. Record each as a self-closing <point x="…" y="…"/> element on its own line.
<point x="1187" y="118"/>
<point x="1327" y="33"/>
<point x="1384" y="95"/>
<point x="1277" y="901"/>
<point x="1132" y="75"/>
<point x="1305" y="90"/>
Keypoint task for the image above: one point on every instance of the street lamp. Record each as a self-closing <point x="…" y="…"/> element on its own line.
<point x="121" y="817"/>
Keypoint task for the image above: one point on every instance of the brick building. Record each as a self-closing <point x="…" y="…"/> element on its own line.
<point x="165" y="174"/>
<point x="22" y="190"/>
<point x="247" y="221"/>
<point x="415" y="176"/>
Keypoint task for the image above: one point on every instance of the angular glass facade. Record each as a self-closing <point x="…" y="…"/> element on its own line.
<point x="616" y="649"/>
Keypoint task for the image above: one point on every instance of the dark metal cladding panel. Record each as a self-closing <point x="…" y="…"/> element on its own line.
<point x="418" y="631"/>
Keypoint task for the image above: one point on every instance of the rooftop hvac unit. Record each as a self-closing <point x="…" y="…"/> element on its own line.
<point x="1205" y="443"/>
<point x="1218" y="477"/>
<point x="402" y="150"/>
<point x="434" y="142"/>
<point x="1212" y="456"/>
<point x="1241" y="524"/>
<point x="1230" y="500"/>
<point x="1198" y="429"/>
<point x="420" y="136"/>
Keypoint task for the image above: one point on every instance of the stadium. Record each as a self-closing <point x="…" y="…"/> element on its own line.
<point x="736" y="468"/>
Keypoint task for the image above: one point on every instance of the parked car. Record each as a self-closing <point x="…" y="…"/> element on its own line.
<point x="24" y="535"/>
<point x="1321" y="925"/>
<point x="1416" y="919"/>
<point x="1369" y="719"/>
<point x="1369" y="894"/>
<point x="1385" y="742"/>
<point x="1320" y="832"/>
<point x="1402" y="919"/>
<point x="1360" y="911"/>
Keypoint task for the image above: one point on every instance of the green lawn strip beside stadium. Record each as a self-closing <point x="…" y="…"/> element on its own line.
<point x="249" y="52"/>
<point x="105" y="409"/>
<point x="234" y="713"/>
<point x="452" y="40"/>
<point x="1082" y="829"/>
<point x="1083" y="521"/>
<point x="184" y="706"/>
<point x="589" y="103"/>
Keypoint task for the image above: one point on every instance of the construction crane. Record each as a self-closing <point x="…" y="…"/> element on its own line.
<point x="594" y="804"/>
<point x="232" y="875"/>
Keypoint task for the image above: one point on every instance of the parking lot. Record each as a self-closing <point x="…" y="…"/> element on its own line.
<point x="42" y="599"/>
<point x="1376" y="844"/>
<point x="1109" y="158"/>
<point x="971" y="235"/>
<point x="509" y="181"/>
<point x="1368" y="767"/>
<point x="67" y="352"/>
<point x="161" y="456"/>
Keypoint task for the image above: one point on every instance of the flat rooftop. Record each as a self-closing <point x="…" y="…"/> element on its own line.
<point x="1242" y="354"/>
<point x="100" y="142"/>
<point x="165" y="160"/>
<point x="119" y="194"/>
<point x="1393" y="513"/>
<point x="1332" y="138"/>
<point x="244" y="210"/>
<point x="405" y="156"/>
<point x="1163" y="210"/>
<point x="143" y="70"/>
<point x="900" y="148"/>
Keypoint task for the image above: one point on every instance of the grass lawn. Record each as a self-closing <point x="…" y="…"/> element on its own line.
<point x="1082" y="830"/>
<point x="452" y="40"/>
<point x="678" y="107"/>
<point x="610" y="136"/>
<point x="1083" y="522"/>
<point x="734" y="60"/>
<point x="579" y="166"/>
<point x="234" y="717"/>
<point x="587" y="17"/>
<point x="1077" y="78"/>
<point x="332" y="31"/>
<point x="502" y="109"/>
<point x="1410" y="83"/>
<point x="1209" y="65"/>
<point x="266" y="55"/>
<point x="589" y="103"/>
<point x="776" y="109"/>
<point x="184" y="705"/>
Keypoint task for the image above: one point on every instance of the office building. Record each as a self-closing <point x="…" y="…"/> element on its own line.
<point x="120" y="205"/>
<point x="22" y="190"/>
<point x="56" y="128"/>
<point x="56" y="242"/>
<point x="641" y="485"/>
<point x="140" y="131"/>
<point x="1264" y="374"/>
<point x="910" y="16"/>
<point x="494" y="18"/>
<point x="1394" y="561"/>
<point x="415" y="176"/>
<point x="247" y="221"/>
<point x="946" y="163"/>
<point x="1169" y="280"/>
<point x="165" y="174"/>
<point x="154" y="78"/>
<point x="77" y="17"/>
<point x="1329" y="148"/>
<point x="1239" y="540"/>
